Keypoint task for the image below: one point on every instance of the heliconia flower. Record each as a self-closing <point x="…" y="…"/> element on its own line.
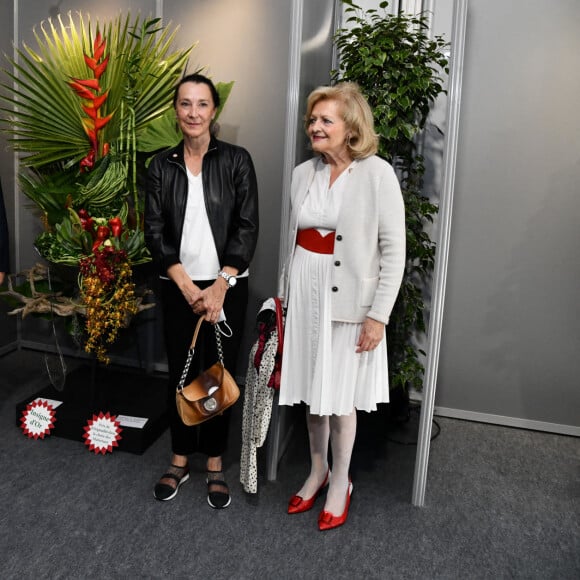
<point x="89" y="83"/>
<point x="100" y="122"/>
<point x="99" y="46"/>
<point x="98" y="101"/>
<point x="97" y="68"/>
<point x="92" y="107"/>
<point x="90" y="110"/>
<point x="101" y="68"/>
<point x="81" y="91"/>
<point x="91" y="62"/>
<point x="88" y="89"/>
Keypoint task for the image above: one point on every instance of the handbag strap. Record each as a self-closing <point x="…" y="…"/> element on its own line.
<point x="191" y="351"/>
<point x="279" y="324"/>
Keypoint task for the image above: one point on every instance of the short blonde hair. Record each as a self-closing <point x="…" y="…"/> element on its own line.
<point x="356" y="114"/>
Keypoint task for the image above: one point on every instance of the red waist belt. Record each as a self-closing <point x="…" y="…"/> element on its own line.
<point x="313" y="241"/>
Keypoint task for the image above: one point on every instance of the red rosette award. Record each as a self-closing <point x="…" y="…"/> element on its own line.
<point x="37" y="419"/>
<point x="102" y="433"/>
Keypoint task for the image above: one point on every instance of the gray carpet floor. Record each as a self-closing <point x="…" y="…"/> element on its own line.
<point x="501" y="503"/>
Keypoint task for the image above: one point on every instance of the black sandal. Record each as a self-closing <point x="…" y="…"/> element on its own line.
<point x="165" y="491"/>
<point x="217" y="499"/>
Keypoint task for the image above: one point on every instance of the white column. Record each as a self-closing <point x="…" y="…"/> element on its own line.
<point x="441" y="258"/>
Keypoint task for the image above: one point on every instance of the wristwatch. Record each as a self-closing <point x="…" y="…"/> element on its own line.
<point x="229" y="278"/>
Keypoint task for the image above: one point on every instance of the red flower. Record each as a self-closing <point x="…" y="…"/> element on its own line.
<point x="89" y="90"/>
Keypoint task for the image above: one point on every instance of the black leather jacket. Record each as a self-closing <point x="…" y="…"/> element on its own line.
<point x="231" y="199"/>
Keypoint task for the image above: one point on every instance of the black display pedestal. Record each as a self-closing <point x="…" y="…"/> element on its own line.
<point x="91" y="389"/>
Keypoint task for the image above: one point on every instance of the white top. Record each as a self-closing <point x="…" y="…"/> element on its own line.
<point x="198" y="254"/>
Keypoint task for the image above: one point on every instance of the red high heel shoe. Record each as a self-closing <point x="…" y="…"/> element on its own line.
<point x="297" y="505"/>
<point x="327" y="521"/>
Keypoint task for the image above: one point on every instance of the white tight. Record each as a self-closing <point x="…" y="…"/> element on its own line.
<point x="340" y="430"/>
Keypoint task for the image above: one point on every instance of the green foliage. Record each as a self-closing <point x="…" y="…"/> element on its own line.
<point x="399" y="67"/>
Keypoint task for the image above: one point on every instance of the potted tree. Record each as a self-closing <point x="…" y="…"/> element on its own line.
<point x="399" y="69"/>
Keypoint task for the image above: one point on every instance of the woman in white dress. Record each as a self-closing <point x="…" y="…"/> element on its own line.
<point x="344" y="266"/>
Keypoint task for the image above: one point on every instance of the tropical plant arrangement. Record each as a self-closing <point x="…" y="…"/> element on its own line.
<point x="399" y="68"/>
<point x="84" y="110"/>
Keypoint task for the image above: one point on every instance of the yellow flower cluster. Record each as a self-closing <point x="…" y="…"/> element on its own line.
<point x="109" y="307"/>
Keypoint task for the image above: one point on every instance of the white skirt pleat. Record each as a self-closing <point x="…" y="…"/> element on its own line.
<point x="320" y="366"/>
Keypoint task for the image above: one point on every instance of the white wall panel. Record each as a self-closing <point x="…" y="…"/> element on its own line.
<point x="511" y="339"/>
<point x="509" y="336"/>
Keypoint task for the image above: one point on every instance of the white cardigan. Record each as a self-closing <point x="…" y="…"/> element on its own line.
<point x="369" y="248"/>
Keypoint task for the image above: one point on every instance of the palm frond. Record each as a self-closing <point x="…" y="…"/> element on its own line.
<point x="44" y="118"/>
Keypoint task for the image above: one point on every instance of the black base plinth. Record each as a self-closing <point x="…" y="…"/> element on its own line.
<point x="90" y="390"/>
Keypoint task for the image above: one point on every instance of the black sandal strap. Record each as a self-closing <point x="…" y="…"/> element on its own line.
<point x="176" y="478"/>
<point x="186" y="467"/>
<point x="218" y="482"/>
<point x="183" y="471"/>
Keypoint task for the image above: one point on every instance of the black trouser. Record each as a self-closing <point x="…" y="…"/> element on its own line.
<point x="179" y="323"/>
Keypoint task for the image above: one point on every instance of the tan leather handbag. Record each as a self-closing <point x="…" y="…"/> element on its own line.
<point x="211" y="393"/>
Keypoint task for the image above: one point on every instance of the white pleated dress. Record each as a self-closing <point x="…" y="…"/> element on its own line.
<point x="320" y="366"/>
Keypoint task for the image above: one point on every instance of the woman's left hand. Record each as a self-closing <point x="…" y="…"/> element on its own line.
<point x="371" y="334"/>
<point x="211" y="302"/>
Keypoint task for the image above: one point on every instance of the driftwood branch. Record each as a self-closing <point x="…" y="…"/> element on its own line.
<point x="48" y="302"/>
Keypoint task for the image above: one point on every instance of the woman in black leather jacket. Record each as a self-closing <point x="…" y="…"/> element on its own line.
<point x="201" y="226"/>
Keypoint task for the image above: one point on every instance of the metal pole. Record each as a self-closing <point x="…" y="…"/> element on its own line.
<point x="441" y="260"/>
